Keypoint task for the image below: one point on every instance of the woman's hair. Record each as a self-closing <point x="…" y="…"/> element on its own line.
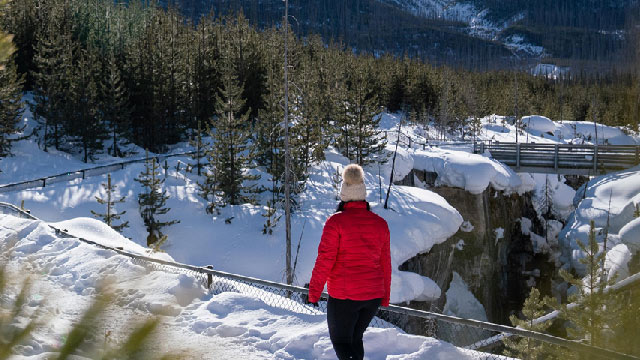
<point x="341" y="206"/>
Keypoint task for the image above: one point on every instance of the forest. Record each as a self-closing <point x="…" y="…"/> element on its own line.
<point x="100" y="71"/>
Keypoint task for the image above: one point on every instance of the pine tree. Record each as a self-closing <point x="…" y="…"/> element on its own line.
<point x="595" y="308"/>
<point x="230" y="155"/>
<point x="358" y="139"/>
<point x="51" y="84"/>
<point x="533" y="308"/>
<point x="83" y="120"/>
<point x="196" y="141"/>
<point x="10" y="104"/>
<point x="152" y="203"/>
<point x="113" y="104"/>
<point x="110" y="202"/>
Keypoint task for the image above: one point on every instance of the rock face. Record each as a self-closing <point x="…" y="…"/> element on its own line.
<point x="489" y="252"/>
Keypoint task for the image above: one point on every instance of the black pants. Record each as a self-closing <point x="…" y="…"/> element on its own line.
<point x="348" y="319"/>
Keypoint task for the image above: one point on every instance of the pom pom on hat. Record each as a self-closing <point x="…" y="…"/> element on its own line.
<point x="353" y="188"/>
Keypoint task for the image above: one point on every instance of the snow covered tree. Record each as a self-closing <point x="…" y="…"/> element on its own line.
<point x="10" y="104"/>
<point x="526" y="348"/>
<point x="110" y="201"/>
<point x="595" y="309"/>
<point x="152" y="201"/>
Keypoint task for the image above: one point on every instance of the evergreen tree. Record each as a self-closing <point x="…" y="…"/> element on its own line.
<point x="533" y="308"/>
<point x="231" y="138"/>
<point x="10" y="104"/>
<point x="83" y="121"/>
<point x="359" y="139"/>
<point x="111" y="214"/>
<point x="113" y="104"/>
<point x="152" y="201"/>
<point x="51" y="79"/>
<point x="595" y="308"/>
<point x="195" y="140"/>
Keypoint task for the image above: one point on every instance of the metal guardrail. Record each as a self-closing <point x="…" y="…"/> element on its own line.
<point x="82" y="173"/>
<point x="464" y="333"/>
<point x="407" y="140"/>
<point x="562" y="158"/>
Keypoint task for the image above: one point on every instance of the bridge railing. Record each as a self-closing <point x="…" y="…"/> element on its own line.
<point x="468" y="334"/>
<point x="588" y="159"/>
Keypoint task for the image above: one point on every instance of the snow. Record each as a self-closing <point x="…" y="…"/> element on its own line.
<point x="69" y="273"/>
<point x="613" y="198"/>
<point x="617" y="262"/>
<point x="419" y="219"/>
<point x="461" y="302"/>
<point x="464" y="170"/>
<point x="538" y="123"/>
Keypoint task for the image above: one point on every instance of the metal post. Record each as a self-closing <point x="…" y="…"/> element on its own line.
<point x="209" y="277"/>
<point x="287" y="157"/>
<point x="44" y="182"/>
<point x="517" y="155"/>
<point x="82" y="174"/>
<point x="555" y="159"/>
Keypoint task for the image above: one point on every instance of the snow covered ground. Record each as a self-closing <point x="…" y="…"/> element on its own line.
<point x="66" y="274"/>
<point x="233" y="241"/>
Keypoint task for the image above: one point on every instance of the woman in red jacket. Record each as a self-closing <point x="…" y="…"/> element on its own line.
<point x="354" y="260"/>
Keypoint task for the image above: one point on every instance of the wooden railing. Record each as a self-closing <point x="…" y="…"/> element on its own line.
<point x="562" y="158"/>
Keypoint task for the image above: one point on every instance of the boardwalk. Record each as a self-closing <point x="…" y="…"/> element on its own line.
<point x="561" y="158"/>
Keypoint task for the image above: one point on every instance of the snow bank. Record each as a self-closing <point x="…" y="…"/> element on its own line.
<point x="233" y="325"/>
<point x="96" y="230"/>
<point x="464" y="170"/>
<point x="611" y="197"/>
<point x="538" y="123"/>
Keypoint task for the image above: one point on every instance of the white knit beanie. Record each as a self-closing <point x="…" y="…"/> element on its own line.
<point x="353" y="184"/>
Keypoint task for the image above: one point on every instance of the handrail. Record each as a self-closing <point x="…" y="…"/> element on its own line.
<point x="83" y="172"/>
<point x="574" y="345"/>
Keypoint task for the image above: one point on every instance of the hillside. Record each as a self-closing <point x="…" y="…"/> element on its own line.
<point x="477" y="34"/>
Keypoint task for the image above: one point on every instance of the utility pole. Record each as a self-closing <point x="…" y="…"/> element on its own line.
<point x="287" y="151"/>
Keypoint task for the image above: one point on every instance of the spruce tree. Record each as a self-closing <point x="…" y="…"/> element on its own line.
<point x="10" y="104"/>
<point x="83" y="121"/>
<point x="152" y="201"/>
<point x="523" y="348"/>
<point x="51" y="83"/>
<point x="113" y="104"/>
<point x="359" y="136"/>
<point x="231" y="152"/>
<point x="595" y="308"/>
<point x="111" y="214"/>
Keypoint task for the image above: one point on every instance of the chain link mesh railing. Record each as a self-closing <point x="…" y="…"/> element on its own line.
<point x="83" y="173"/>
<point x="480" y="340"/>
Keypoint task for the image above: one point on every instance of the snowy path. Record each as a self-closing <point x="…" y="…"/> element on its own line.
<point x="195" y="325"/>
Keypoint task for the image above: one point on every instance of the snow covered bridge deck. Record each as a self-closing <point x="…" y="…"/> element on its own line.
<point x="561" y="158"/>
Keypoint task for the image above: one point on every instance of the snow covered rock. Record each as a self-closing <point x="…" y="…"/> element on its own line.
<point x="538" y="123"/>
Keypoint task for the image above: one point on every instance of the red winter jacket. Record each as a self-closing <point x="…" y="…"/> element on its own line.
<point x="353" y="257"/>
